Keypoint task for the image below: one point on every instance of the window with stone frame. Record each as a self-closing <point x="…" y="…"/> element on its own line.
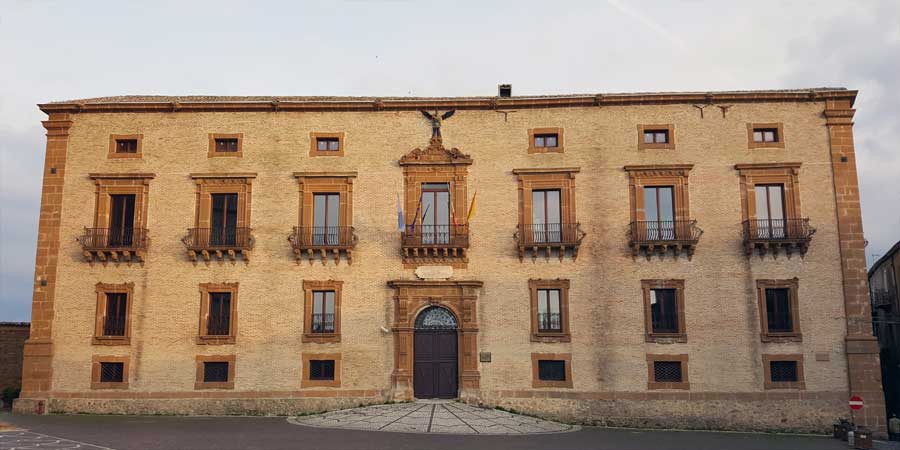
<point x="667" y="372"/>
<point x="779" y="310"/>
<point x="218" y="313"/>
<point x="660" y="210"/>
<point x="656" y="137"/>
<point x="109" y="372"/>
<point x="321" y="370"/>
<point x="551" y="370"/>
<point x="215" y="372"/>
<point x="549" y="310"/>
<point x="226" y="144"/>
<point x="545" y="140"/>
<point x="770" y="200"/>
<point x="325" y="227"/>
<point x="113" y="317"/>
<point x="765" y="135"/>
<point x="547" y="220"/>
<point x="664" y="311"/>
<point x="783" y="371"/>
<point x="322" y="311"/>
<point x="222" y="225"/>
<point x="125" y="145"/>
<point x="326" y="144"/>
<point x="119" y="231"/>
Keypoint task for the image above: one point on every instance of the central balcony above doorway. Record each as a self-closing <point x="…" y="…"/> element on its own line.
<point x="435" y="241"/>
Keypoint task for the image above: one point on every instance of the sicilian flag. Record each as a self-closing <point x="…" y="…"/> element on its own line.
<point x="472" y="208"/>
<point x="400" y="223"/>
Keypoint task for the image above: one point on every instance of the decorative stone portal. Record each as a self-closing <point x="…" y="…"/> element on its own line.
<point x="413" y="297"/>
<point x="436" y="354"/>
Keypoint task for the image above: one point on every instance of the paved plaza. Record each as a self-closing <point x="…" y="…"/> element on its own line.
<point x="433" y="417"/>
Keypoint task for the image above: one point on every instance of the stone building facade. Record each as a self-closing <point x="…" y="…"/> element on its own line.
<point x="885" y="289"/>
<point x="671" y="259"/>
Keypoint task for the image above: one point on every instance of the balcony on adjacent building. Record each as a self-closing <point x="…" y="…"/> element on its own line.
<point x="114" y="244"/>
<point x="883" y="299"/>
<point x="776" y="234"/>
<point x="313" y="241"/>
<point x="660" y="236"/>
<point x="550" y="237"/>
<point x="218" y="242"/>
<point x="435" y="242"/>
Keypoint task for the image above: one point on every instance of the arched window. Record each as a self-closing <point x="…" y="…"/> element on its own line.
<point x="436" y="318"/>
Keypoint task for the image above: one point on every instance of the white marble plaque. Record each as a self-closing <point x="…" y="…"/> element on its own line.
<point x="434" y="272"/>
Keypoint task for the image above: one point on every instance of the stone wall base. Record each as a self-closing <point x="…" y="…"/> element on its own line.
<point x="208" y="406"/>
<point x="29" y="406"/>
<point x="768" y="415"/>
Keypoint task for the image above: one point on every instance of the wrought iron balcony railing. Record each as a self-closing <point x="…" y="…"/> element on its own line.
<point x="218" y="241"/>
<point x="322" y="323"/>
<point x="101" y="243"/>
<point x="218" y="326"/>
<point x="882" y="298"/>
<point x="321" y="240"/>
<point x="435" y="241"/>
<point x="549" y="322"/>
<point x="114" y="326"/>
<point x="766" y="234"/>
<point x="549" y="236"/>
<point x="661" y="235"/>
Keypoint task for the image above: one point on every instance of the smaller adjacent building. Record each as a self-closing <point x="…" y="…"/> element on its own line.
<point x="12" y="342"/>
<point x="885" y="294"/>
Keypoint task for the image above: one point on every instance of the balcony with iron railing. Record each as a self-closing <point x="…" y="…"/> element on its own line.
<point x="219" y="242"/>
<point x="550" y="237"/>
<point x="312" y="241"/>
<point x="660" y="236"/>
<point x="112" y="243"/>
<point x="114" y="326"/>
<point x="884" y="299"/>
<point x="549" y="323"/>
<point x="776" y="234"/>
<point x="434" y="242"/>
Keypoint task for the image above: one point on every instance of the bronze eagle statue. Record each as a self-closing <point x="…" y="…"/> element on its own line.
<point x="437" y="120"/>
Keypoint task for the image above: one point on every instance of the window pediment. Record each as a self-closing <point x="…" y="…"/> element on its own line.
<point x="435" y="154"/>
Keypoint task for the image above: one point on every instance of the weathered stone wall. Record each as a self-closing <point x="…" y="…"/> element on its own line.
<point x="607" y="324"/>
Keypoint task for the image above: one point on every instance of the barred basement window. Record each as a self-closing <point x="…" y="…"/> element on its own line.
<point x="226" y="145"/>
<point x="667" y="372"/>
<point x="783" y="371"/>
<point x="328" y="144"/>
<point x="552" y="370"/>
<point x="215" y="372"/>
<point x="321" y="369"/>
<point x="656" y="136"/>
<point x="112" y="372"/>
<point x="126" y="145"/>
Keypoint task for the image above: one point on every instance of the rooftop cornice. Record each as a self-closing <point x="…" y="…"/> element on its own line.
<point x="263" y="104"/>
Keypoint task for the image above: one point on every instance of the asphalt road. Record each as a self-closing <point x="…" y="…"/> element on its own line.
<point x="275" y="433"/>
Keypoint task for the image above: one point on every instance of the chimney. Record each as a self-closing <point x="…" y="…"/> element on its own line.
<point x="504" y="90"/>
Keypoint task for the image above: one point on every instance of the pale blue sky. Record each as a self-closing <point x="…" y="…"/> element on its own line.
<point x="55" y="50"/>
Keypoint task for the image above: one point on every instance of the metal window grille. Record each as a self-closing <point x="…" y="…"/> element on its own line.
<point x="112" y="372"/>
<point x="215" y="372"/>
<point x="552" y="370"/>
<point x="667" y="372"/>
<point x="321" y="369"/>
<point x="783" y="371"/>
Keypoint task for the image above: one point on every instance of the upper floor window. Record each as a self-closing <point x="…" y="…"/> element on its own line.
<point x="218" y="311"/>
<point x="326" y="144"/>
<point x="226" y="145"/>
<point x="322" y="311"/>
<point x="113" y="320"/>
<point x="762" y="135"/>
<point x="230" y="144"/>
<point x="326" y="217"/>
<point x="547" y="212"/>
<point x="660" y="210"/>
<point x="125" y="145"/>
<point x="550" y="309"/>
<point x="546" y="215"/>
<point x="656" y="137"/>
<point x="770" y="197"/>
<point x="664" y="310"/>
<point x="119" y="219"/>
<point x="222" y="217"/>
<point x="545" y="140"/>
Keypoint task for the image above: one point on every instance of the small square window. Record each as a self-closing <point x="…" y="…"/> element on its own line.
<point x="656" y="136"/>
<point x="546" y="140"/>
<point x="226" y="145"/>
<point x="765" y="135"/>
<point x="328" y="144"/>
<point x="667" y="371"/>
<point x="551" y="370"/>
<point x="112" y="372"/>
<point x="215" y="372"/>
<point x="783" y="371"/>
<point x="321" y="369"/>
<point x="126" y="145"/>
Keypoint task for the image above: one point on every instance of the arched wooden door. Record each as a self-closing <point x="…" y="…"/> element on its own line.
<point x="436" y="352"/>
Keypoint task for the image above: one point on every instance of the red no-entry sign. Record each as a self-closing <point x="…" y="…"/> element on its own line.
<point x="856" y="402"/>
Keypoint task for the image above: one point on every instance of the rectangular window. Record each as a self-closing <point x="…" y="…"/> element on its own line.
<point x="664" y="311"/>
<point x="656" y="136"/>
<point x="659" y="212"/>
<point x="321" y="370"/>
<point x="223" y="219"/>
<point x="778" y="310"/>
<point x="667" y="372"/>
<point x="219" y="321"/>
<point x="551" y="370"/>
<point x="226" y="145"/>
<point x="112" y="372"/>
<point x="546" y="215"/>
<point x="121" y="220"/>
<point x="323" y="312"/>
<point x="765" y="135"/>
<point x="126" y="145"/>
<point x="116" y="314"/>
<point x="326" y="219"/>
<point x="549" y="140"/>
<point x="435" y="213"/>
<point x="215" y="372"/>
<point x="328" y="144"/>
<point x="549" y="311"/>
<point x="783" y="371"/>
<point x="770" y="217"/>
